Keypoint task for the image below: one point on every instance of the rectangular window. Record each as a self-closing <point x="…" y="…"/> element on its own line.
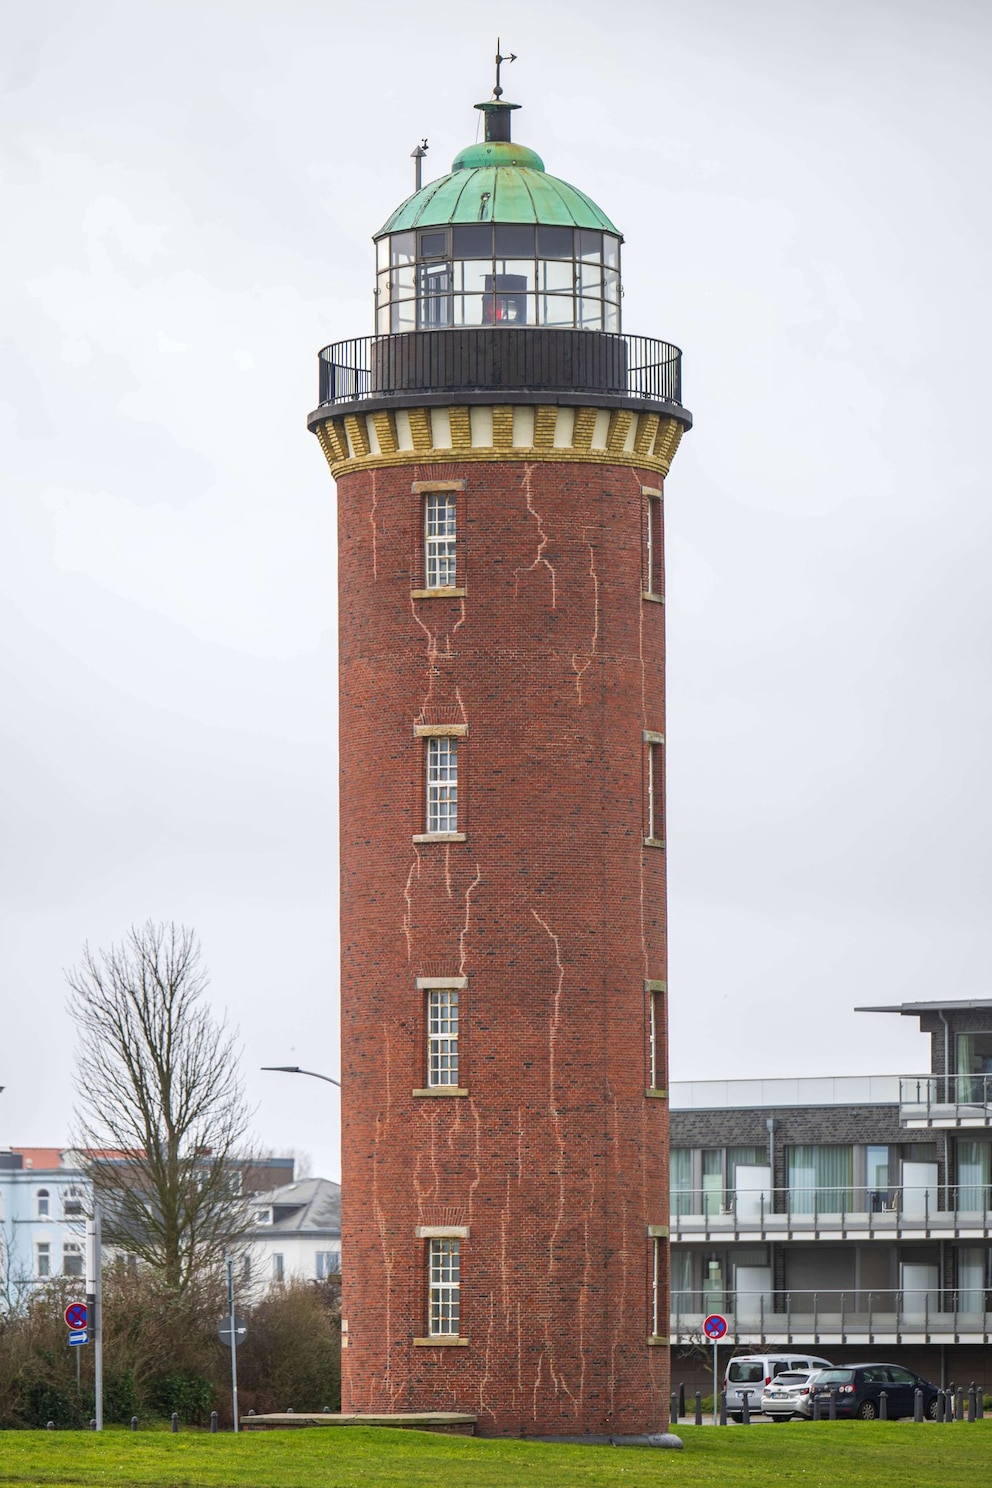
<point x="656" y="1038"/>
<point x="440" y="539"/>
<point x="72" y="1203"/>
<point x="653" y="550"/>
<point x="445" y="1286"/>
<point x="72" y="1260"/>
<point x="659" y="1287"/>
<point x="442" y="784"/>
<point x="278" y="1268"/>
<point x="328" y="1264"/>
<point x="442" y="1036"/>
<point x="820" y="1179"/>
<point x="43" y="1256"/>
<point x="654" y="788"/>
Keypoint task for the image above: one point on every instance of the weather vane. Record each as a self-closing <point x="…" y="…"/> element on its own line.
<point x="498" y="91"/>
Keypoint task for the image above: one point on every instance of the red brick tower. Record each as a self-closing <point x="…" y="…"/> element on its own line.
<point x="500" y="450"/>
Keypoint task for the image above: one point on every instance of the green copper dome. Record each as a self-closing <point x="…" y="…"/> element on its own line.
<point x="497" y="181"/>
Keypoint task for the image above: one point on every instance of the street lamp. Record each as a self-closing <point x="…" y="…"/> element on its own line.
<point x="294" y="1069"/>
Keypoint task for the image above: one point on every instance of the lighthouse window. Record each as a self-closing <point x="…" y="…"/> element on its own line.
<point x="444" y="1259"/>
<point x="442" y="1036"/>
<point x="440" y="539"/>
<point x="442" y="784"/>
<point x="654" y="790"/>
<point x="510" y="274"/>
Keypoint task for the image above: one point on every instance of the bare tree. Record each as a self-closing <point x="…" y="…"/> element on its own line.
<point x="160" y="1109"/>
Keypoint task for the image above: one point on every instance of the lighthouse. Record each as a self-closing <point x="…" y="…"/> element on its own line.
<point x="500" y="446"/>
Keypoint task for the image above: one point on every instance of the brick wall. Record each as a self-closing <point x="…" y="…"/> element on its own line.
<point x="554" y="912"/>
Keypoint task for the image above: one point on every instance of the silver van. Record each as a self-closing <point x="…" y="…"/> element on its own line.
<point x="753" y="1372"/>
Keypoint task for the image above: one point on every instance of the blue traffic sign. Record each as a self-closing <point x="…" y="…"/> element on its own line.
<point x="79" y="1337"/>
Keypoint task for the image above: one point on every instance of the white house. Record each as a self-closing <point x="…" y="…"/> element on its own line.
<point x="296" y="1235"/>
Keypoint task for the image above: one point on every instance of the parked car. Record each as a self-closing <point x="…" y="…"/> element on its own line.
<point x="754" y="1372"/>
<point x="858" y="1388"/>
<point x="789" y="1394"/>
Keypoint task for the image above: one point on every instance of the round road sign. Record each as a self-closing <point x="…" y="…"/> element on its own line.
<point x="240" y="1330"/>
<point x="76" y="1315"/>
<point x="715" y="1326"/>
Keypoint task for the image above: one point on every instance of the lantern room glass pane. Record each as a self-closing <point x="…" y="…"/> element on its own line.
<point x="475" y="241"/>
<point x="557" y="310"/>
<point x="590" y="245"/>
<point x="556" y="277"/>
<point x="611" y="251"/>
<point x="554" y="242"/>
<point x="433" y="244"/>
<point x="402" y="248"/>
<point x="514" y="241"/>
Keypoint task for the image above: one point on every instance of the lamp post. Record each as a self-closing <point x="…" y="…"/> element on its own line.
<point x="294" y="1069"/>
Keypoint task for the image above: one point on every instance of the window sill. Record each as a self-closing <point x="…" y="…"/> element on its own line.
<point x="656" y="1341"/>
<point x="653" y="842"/>
<point x="654" y="598"/>
<point x="450" y="591"/>
<point x="454" y="1341"/>
<point x="440" y="837"/>
<point x="441" y="1090"/>
<point x="653" y="1094"/>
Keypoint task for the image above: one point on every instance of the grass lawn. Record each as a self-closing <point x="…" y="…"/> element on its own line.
<point x="828" y="1454"/>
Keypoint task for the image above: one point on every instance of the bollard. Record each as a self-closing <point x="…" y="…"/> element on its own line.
<point x="883" y="1406"/>
<point x="681" y="1401"/>
<point x="971" y="1401"/>
<point x="175" y="1421"/>
<point x="917" y="1404"/>
<point x="938" y="1414"/>
<point x="673" y="1409"/>
<point x="816" y="1408"/>
<point x="251" y="1412"/>
<point x="93" y="1423"/>
<point x="833" y="1405"/>
<point x="723" y="1407"/>
<point x="134" y="1423"/>
<point x="213" y="1423"/>
<point x="699" y="1407"/>
<point x="980" y="1404"/>
<point x="289" y="1411"/>
<point x="959" y="1403"/>
<point x="745" y="1407"/>
<point x="49" y="1425"/>
<point x="327" y="1410"/>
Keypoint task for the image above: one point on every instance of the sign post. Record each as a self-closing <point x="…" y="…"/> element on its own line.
<point x="232" y="1322"/>
<point x="715" y="1327"/>
<point x="93" y="1307"/>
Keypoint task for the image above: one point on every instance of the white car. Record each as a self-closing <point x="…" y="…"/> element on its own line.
<point x="790" y="1395"/>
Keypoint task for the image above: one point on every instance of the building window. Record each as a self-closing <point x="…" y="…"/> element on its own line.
<point x="657" y="1042"/>
<point x="246" y="1270"/>
<point x="43" y="1258"/>
<point x="328" y="1264"/>
<point x="653" y="550"/>
<point x="820" y="1179"/>
<point x="659" y="1287"/>
<point x="44" y="1203"/>
<point x="445" y="1287"/>
<point x="72" y="1203"/>
<point x="442" y="1036"/>
<point x="440" y="539"/>
<point x="442" y="784"/>
<point x="278" y="1268"/>
<point x="72" y="1260"/>
<point x="654" y="789"/>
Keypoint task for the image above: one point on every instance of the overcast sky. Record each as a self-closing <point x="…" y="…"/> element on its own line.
<point x="189" y="190"/>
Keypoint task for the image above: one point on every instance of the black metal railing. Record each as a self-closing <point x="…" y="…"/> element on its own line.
<point x="484" y="359"/>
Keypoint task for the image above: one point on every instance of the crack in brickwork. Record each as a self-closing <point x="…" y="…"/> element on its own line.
<point x="543" y="541"/>
<point x="581" y="671"/>
<point x="407" y="923"/>
<point x="463" y="935"/>
<point x="375" y="551"/>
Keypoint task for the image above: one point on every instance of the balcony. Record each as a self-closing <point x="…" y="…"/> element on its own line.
<point x="943" y="1101"/>
<point x="898" y="1213"/>
<point x="502" y="363"/>
<point x="825" y="1318"/>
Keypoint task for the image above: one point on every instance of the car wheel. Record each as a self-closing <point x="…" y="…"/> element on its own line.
<point x="736" y="1416"/>
<point x="930" y="1411"/>
<point x="868" y="1410"/>
<point x="780" y="1419"/>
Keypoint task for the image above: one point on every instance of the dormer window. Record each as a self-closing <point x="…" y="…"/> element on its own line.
<point x="502" y="274"/>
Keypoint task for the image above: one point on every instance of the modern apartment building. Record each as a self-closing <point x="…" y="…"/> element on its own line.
<point x="852" y="1215"/>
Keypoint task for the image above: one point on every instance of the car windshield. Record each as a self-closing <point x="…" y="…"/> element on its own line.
<point x="835" y="1377"/>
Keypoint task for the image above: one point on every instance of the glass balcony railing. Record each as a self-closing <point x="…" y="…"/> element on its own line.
<point x="955" y="1209"/>
<point x="855" y="1316"/>
<point x="945" y="1100"/>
